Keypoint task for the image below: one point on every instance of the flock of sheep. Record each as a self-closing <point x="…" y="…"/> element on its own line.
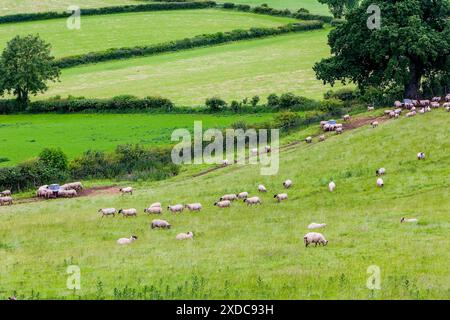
<point x="6" y="198"/>
<point x="68" y="190"/>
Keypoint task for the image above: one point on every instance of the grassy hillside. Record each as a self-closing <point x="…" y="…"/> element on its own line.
<point x="312" y="5"/>
<point x="232" y="71"/>
<point x="135" y="29"/>
<point x="29" y="134"/>
<point x="256" y="252"/>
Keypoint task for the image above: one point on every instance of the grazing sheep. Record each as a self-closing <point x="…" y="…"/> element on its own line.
<point x="70" y="193"/>
<point x="392" y="114"/>
<point x="424" y="103"/>
<point x="287" y="184"/>
<point x="398" y="111"/>
<point x="397" y="104"/>
<point x="323" y="123"/>
<point x="126" y="190"/>
<point x="408" y="220"/>
<point x="45" y="193"/>
<point x="380" y="182"/>
<point x="447" y="97"/>
<point x="447" y="109"/>
<point x="446" y="104"/>
<point x="175" y="208"/>
<point x="317" y="225"/>
<point x="316" y="238"/>
<point x="281" y="196"/>
<point x="6" y="193"/>
<point x="421" y="156"/>
<point x="154" y="210"/>
<point x="339" y="130"/>
<point x="254" y="151"/>
<point x="374" y="124"/>
<point x="380" y="172"/>
<point x="185" y="236"/>
<point x="268" y="149"/>
<point x="253" y="201"/>
<point x="370" y="108"/>
<point x="223" y="204"/>
<point x="194" y="207"/>
<point x="261" y="188"/>
<point x="388" y="112"/>
<point x="411" y="114"/>
<point x="225" y="162"/>
<point x="160" y="224"/>
<point x="436" y="99"/>
<point x="126" y="240"/>
<point x="75" y="185"/>
<point x="128" y="212"/>
<point x="347" y="117"/>
<point x="12" y="298"/>
<point x="331" y="186"/>
<point x="422" y="111"/>
<point x="321" y="138"/>
<point x="242" y="195"/>
<point x="108" y="212"/>
<point x="308" y="139"/>
<point x="6" y="201"/>
<point x="230" y="197"/>
<point x="435" y="104"/>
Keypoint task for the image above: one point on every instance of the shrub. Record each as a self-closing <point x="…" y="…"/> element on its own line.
<point x="287" y="120"/>
<point x="54" y="158"/>
<point x="332" y="106"/>
<point x="255" y="101"/>
<point x="215" y="104"/>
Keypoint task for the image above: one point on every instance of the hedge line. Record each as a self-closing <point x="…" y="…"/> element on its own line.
<point x="158" y="6"/>
<point x="188" y="43"/>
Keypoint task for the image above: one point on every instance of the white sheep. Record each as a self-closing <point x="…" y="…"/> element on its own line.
<point x="126" y="190"/>
<point x="316" y="225"/>
<point x="446" y="104"/>
<point x="308" y="139"/>
<point x="69" y="193"/>
<point x="261" y="188"/>
<point x="253" y="201"/>
<point x="5" y="193"/>
<point x="380" y="182"/>
<point x="413" y="220"/>
<point x="321" y="138"/>
<point x="161" y="224"/>
<point x="435" y="105"/>
<point x="331" y="186"/>
<point x="287" y="183"/>
<point x="153" y="210"/>
<point x="185" y="236"/>
<point x="421" y="156"/>
<point x="126" y="240"/>
<point x="225" y="162"/>
<point x="380" y="172"/>
<point x="436" y="99"/>
<point x="374" y="124"/>
<point x="447" y="109"/>
<point x="230" y="197"/>
<point x="75" y="186"/>
<point x="175" y="208"/>
<point x="397" y="104"/>
<point x="316" y="238"/>
<point x="254" y="151"/>
<point x="193" y="206"/>
<point x="339" y="130"/>
<point x="281" y="196"/>
<point x="242" y="195"/>
<point x="128" y="212"/>
<point x="268" y="149"/>
<point x="411" y="114"/>
<point x="223" y="204"/>
<point x="369" y="108"/>
<point x="346" y="117"/>
<point x="108" y="212"/>
<point x="6" y="201"/>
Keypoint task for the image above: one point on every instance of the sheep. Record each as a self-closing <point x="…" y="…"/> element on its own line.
<point x="281" y="196"/>
<point x="41" y="191"/>
<point x="421" y="156"/>
<point x="261" y="188"/>
<point x="380" y="182"/>
<point x="446" y="104"/>
<point x="254" y="151"/>
<point x="387" y="112"/>
<point x="160" y="224"/>
<point x="194" y="207"/>
<point x="447" y="109"/>
<point x="108" y="212"/>
<point x="75" y="186"/>
<point x="323" y="123"/>
<point x="6" y="201"/>
<point x="408" y="220"/>
<point x="435" y="105"/>
<point x="242" y="195"/>
<point x="5" y="193"/>
<point x="374" y="124"/>
<point x="185" y="236"/>
<point x="156" y="204"/>
<point x="398" y="111"/>
<point x="45" y="193"/>
<point x="339" y="130"/>
<point x="436" y="99"/>
<point x="397" y="104"/>
<point x="380" y="172"/>
<point x="316" y="225"/>
<point x="447" y="97"/>
<point x="346" y="117"/>
<point x="321" y="138"/>
<point x="411" y="114"/>
<point x="67" y="193"/>
<point x="12" y="298"/>
<point x="175" y="208"/>
<point x="225" y="162"/>
<point x="126" y="190"/>
<point x="424" y="103"/>
<point x="268" y="149"/>
<point x="253" y="201"/>
<point x="422" y="111"/>
<point x="230" y="197"/>
<point x="287" y="183"/>
<point x="331" y="186"/>
<point x="369" y="108"/>
<point x="308" y="139"/>
<point x="223" y="203"/>
<point x="126" y="240"/>
<point x="128" y="212"/>
<point x="392" y="114"/>
<point x="154" y="210"/>
<point x="316" y="238"/>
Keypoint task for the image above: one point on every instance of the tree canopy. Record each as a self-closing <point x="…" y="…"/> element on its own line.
<point x="412" y="44"/>
<point x="340" y="7"/>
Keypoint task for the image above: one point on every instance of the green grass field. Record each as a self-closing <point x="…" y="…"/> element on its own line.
<point x="312" y="5"/>
<point x="32" y="133"/>
<point x="256" y="252"/>
<point x="135" y="29"/>
<point x="232" y="71"/>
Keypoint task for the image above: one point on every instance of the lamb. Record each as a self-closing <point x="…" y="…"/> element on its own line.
<point x="126" y="190"/>
<point x="242" y="195"/>
<point x="154" y="210"/>
<point x="261" y="188"/>
<point x="287" y="184"/>
<point x="281" y="196"/>
<point x="175" y="208"/>
<point x="321" y="138"/>
<point x="421" y="156"/>
<point x="5" y="193"/>
<point x="331" y="186"/>
<point x="374" y="124"/>
<point x="308" y="140"/>
<point x="316" y="238"/>
<point x="126" y="240"/>
<point x="223" y="204"/>
<point x="317" y="225"/>
<point x="380" y="182"/>
<point x="347" y="117"/>
<point x="408" y="220"/>
<point x="253" y="201"/>
<point x="160" y="224"/>
<point x="128" y="212"/>
<point x="6" y="201"/>
<point x="108" y="212"/>
<point x="380" y="172"/>
<point x="193" y="206"/>
<point x="230" y="197"/>
<point x="185" y="236"/>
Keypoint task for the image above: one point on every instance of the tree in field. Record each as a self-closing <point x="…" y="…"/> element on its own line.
<point x="412" y="44"/>
<point x="25" y="66"/>
<point x="340" y="7"/>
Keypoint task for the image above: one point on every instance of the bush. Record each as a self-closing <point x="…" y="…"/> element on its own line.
<point x="215" y="104"/>
<point x="287" y="120"/>
<point x="54" y="158"/>
<point x="332" y="106"/>
<point x="345" y="94"/>
<point x="255" y="101"/>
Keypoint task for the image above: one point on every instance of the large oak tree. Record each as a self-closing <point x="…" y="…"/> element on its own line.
<point x="412" y="43"/>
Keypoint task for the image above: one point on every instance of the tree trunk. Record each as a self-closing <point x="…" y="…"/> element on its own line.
<point x="413" y="86"/>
